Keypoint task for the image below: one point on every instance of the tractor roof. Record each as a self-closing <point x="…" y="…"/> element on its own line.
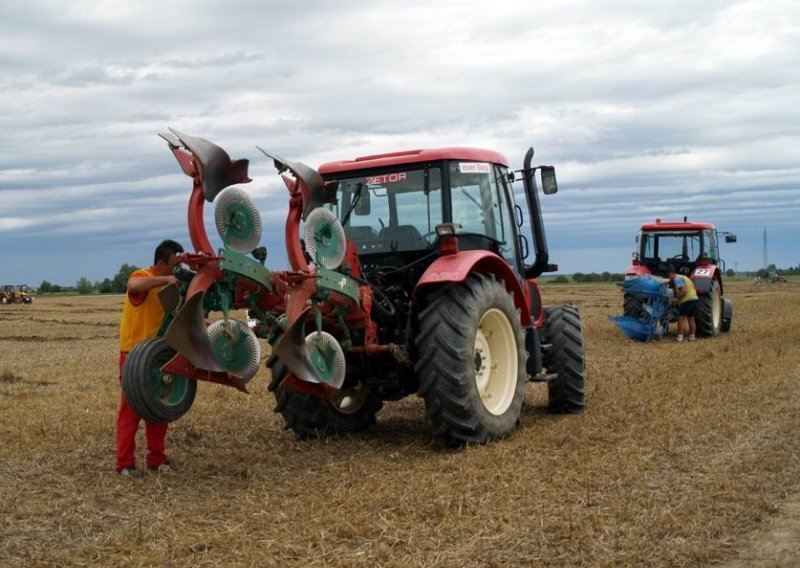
<point x="670" y="226"/>
<point x="413" y="157"/>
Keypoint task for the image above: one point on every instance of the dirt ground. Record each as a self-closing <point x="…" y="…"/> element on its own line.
<point x="687" y="455"/>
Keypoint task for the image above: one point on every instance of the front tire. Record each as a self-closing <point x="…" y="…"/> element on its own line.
<point x="308" y="416"/>
<point x="727" y="315"/>
<point x="632" y="306"/>
<point x="152" y="394"/>
<point x="472" y="361"/>
<point x="709" y="312"/>
<point x="567" y="393"/>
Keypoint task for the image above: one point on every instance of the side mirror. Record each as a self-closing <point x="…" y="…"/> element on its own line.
<point x="549" y="185"/>
<point x="730" y="238"/>
<point x="362" y="206"/>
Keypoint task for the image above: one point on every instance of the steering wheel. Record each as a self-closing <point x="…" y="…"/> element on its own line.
<point x="679" y="258"/>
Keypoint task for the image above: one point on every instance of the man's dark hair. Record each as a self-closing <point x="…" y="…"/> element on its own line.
<point x="165" y="250"/>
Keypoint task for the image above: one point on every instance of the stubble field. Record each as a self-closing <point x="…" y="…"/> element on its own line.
<point x="687" y="455"/>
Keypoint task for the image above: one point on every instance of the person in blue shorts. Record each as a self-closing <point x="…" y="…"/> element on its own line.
<point x="686" y="298"/>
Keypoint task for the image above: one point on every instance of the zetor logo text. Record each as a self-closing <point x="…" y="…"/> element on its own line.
<point x="386" y="178"/>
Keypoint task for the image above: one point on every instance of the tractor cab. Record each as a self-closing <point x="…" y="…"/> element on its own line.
<point x="401" y="207"/>
<point x="677" y="247"/>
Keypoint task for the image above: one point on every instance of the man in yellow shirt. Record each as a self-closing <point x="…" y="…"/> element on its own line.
<point x="142" y="316"/>
<point x="686" y="298"/>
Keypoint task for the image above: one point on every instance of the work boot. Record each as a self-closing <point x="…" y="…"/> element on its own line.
<point x="164" y="467"/>
<point x="129" y="472"/>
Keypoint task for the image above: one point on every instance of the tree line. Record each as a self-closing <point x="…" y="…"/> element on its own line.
<point x="84" y="285"/>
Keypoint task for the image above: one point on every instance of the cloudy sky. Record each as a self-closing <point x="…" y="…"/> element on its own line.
<point x="646" y="109"/>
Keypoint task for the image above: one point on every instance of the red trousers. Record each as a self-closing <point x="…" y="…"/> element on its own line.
<point x="127" y="424"/>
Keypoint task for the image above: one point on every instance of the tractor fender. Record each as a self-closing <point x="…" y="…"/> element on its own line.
<point x="704" y="276"/>
<point x="457" y="267"/>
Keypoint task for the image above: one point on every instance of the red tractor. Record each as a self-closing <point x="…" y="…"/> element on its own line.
<point x="691" y="249"/>
<point x="409" y="278"/>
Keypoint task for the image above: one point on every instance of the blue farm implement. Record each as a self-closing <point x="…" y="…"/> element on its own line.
<point x="655" y="298"/>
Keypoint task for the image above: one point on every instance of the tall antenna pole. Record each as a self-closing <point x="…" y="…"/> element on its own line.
<point x="766" y="260"/>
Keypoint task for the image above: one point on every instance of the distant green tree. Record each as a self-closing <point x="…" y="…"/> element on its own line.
<point x="730" y="273"/>
<point x="561" y="279"/>
<point x="579" y="277"/>
<point x="84" y="285"/>
<point x="606" y="276"/>
<point x="763" y="273"/>
<point x="105" y="287"/>
<point x="45" y="287"/>
<point x="121" y="279"/>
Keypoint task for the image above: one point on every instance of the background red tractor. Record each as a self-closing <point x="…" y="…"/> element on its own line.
<point x="410" y="278"/>
<point x="691" y="249"/>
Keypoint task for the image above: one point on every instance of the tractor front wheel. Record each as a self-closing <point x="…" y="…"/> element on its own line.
<point x="353" y="409"/>
<point x="632" y="306"/>
<point x="708" y="316"/>
<point x="567" y="393"/>
<point x="472" y="361"/>
<point x="151" y="393"/>
<point x="727" y="315"/>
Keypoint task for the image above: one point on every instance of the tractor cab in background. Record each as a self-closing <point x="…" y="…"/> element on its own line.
<point x="677" y="247"/>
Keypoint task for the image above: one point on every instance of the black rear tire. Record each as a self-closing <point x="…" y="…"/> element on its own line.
<point x="310" y="416"/>
<point x="708" y="316"/>
<point x="632" y="306"/>
<point x="152" y="394"/>
<point x="471" y="361"/>
<point x="567" y="393"/>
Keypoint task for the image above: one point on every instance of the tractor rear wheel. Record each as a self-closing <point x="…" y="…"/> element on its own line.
<point x="632" y="306"/>
<point x="567" y="393"/>
<point x="310" y="416"/>
<point x="709" y="312"/>
<point x="471" y="361"/>
<point x="151" y="393"/>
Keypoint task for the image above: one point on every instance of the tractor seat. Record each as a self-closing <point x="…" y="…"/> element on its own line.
<point x="364" y="237"/>
<point x="400" y="237"/>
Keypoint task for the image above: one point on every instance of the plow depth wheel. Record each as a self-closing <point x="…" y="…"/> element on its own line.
<point x="152" y="394"/>
<point x="708" y="315"/>
<point x="472" y="361"/>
